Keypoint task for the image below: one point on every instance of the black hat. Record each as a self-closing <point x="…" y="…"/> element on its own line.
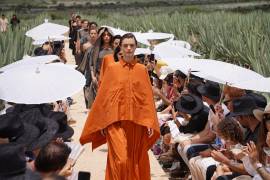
<point x="47" y="127"/>
<point x="243" y="106"/>
<point x="64" y="131"/>
<point x="44" y="108"/>
<point x="40" y="52"/>
<point x="16" y="131"/>
<point x="259" y="99"/>
<point x="210" y="89"/>
<point x="13" y="163"/>
<point x="189" y="104"/>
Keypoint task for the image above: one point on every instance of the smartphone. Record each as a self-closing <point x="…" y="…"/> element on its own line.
<point x="212" y="108"/>
<point x="84" y="175"/>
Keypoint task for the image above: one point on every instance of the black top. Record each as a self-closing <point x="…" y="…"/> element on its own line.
<point x="251" y="136"/>
<point x="197" y="122"/>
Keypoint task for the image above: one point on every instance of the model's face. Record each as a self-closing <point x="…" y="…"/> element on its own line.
<point x="128" y="47"/>
<point x="116" y="43"/>
<point x="106" y="37"/>
<point x="93" y="35"/>
<point x="85" y="25"/>
<point x="79" y="22"/>
<point x="93" y="26"/>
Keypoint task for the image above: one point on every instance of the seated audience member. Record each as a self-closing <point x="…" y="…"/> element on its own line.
<point x="210" y="92"/>
<point x="257" y="163"/>
<point x="191" y="118"/>
<point x="194" y="113"/>
<point x="231" y="135"/>
<point x="243" y="112"/>
<point x="13" y="163"/>
<point x="52" y="159"/>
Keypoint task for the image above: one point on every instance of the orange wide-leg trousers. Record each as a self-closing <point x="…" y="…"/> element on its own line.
<point x="127" y="152"/>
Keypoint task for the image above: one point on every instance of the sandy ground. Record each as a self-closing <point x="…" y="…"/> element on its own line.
<point x="95" y="162"/>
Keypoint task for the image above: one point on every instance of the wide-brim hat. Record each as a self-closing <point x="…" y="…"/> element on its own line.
<point x="259" y="99"/>
<point x="27" y="175"/>
<point x="243" y="106"/>
<point x="16" y="131"/>
<point x="210" y="89"/>
<point x="13" y="164"/>
<point x="259" y="113"/>
<point x="164" y="72"/>
<point x="30" y="136"/>
<point x="64" y="131"/>
<point x="47" y="127"/>
<point x="189" y="104"/>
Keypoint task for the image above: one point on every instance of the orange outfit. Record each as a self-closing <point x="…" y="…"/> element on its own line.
<point x="107" y="60"/>
<point x="124" y="107"/>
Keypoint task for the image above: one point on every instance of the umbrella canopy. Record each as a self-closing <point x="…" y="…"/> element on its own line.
<point x="30" y="61"/>
<point x="261" y="84"/>
<point x="179" y="43"/>
<point x="165" y="51"/>
<point x="213" y="70"/>
<point x="39" y="84"/>
<point x="116" y="31"/>
<point x="42" y="40"/>
<point x="146" y="38"/>
<point x="142" y="51"/>
<point x="47" y="29"/>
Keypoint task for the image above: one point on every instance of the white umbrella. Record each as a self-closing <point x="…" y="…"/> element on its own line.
<point x="142" y="51"/>
<point x="30" y="61"/>
<point x="214" y="70"/>
<point x="42" y="40"/>
<point x="39" y="84"/>
<point x="116" y="31"/>
<point x="261" y="84"/>
<point x="179" y="43"/>
<point x="47" y="29"/>
<point x="165" y="50"/>
<point x="145" y="38"/>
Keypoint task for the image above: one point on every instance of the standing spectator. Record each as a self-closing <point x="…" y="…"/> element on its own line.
<point x="3" y="23"/>
<point x="14" y="22"/>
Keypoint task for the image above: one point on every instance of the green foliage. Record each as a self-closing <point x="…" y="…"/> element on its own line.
<point x="234" y="37"/>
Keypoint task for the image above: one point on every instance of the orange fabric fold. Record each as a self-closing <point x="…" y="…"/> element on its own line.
<point x="107" y="60"/>
<point x="125" y="93"/>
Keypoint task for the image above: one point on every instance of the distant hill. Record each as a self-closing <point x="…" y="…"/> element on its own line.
<point x="51" y="2"/>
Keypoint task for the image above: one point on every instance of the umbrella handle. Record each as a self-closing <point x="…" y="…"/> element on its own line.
<point x="222" y="93"/>
<point x="187" y="80"/>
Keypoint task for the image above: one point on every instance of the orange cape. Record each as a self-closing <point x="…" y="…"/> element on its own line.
<point x="107" y="60"/>
<point x="124" y="94"/>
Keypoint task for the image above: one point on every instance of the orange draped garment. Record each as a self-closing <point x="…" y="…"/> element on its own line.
<point x="124" y="107"/>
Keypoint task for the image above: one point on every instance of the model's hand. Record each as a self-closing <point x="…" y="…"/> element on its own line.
<point x="150" y="132"/>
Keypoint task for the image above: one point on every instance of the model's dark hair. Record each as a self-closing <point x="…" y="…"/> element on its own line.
<point x="128" y="36"/>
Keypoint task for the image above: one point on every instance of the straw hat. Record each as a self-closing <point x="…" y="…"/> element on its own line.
<point x="258" y="113"/>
